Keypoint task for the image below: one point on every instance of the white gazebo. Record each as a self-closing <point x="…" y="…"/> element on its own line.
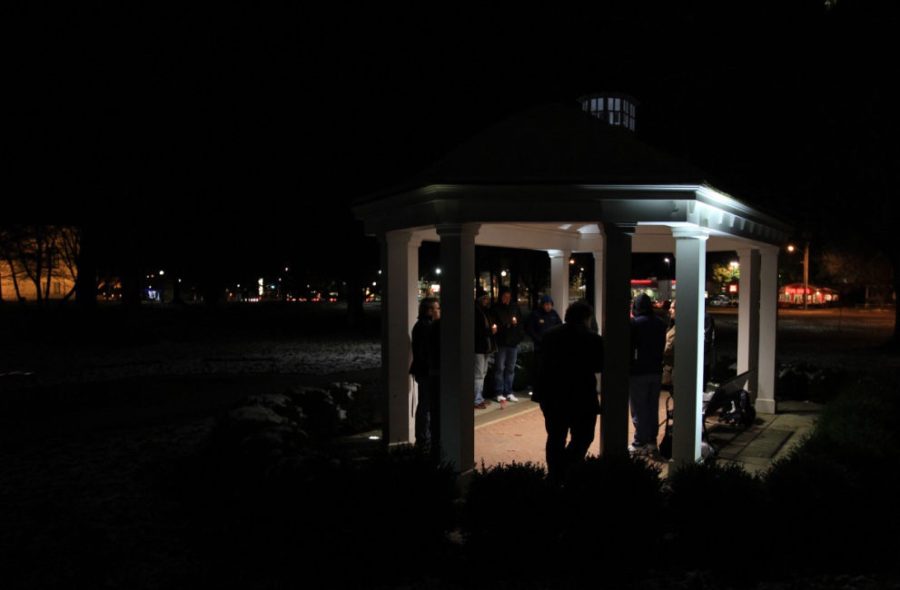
<point x="556" y="179"/>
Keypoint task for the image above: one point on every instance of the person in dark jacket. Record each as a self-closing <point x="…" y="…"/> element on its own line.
<point x="648" y="340"/>
<point x="570" y="357"/>
<point x="541" y="321"/>
<point x="484" y="344"/>
<point x="510" y="333"/>
<point x="425" y="370"/>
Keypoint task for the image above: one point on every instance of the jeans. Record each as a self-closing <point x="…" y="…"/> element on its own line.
<point x="428" y="413"/>
<point x="643" y="397"/>
<point x="505" y="369"/>
<point x="481" y="369"/>
<point x="423" y="415"/>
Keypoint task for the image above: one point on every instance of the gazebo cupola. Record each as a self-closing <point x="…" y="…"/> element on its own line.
<point x="613" y="108"/>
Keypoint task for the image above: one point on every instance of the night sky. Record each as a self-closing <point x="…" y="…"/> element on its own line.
<point x="191" y="135"/>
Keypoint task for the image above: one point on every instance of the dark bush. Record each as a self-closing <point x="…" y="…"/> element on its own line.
<point x="816" y="500"/>
<point x="843" y="481"/>
<point x="319" y="517"/>
<point x="510" y="506"/>
<point x="716" y="518"/>
<point x="803" y="381"/>
<point x="612" y="506"/>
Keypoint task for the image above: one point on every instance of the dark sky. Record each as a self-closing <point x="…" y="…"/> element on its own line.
<point x="251" y="132"/>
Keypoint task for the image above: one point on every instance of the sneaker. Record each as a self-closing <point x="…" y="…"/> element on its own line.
<point x="643" y="449"/>
<point x="481" y="406"/>
<point x="501" y="399"/>
<point x="637" y="448"/>
<point x="512" y="397"/>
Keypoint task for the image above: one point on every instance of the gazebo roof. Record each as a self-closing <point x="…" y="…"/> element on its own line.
<point x="557" y="163"/>
<point x="557" y="144"/>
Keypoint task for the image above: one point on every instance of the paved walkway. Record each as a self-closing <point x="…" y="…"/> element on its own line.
<point x="515" y="432"/>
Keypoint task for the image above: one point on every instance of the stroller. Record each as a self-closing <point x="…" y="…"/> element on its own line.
<point x="729" y="401"/>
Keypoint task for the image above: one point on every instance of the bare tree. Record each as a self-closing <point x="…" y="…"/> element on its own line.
<point x="40" y="253"/>
<point x="69" y="250"/>
<point x="8" y="240"/>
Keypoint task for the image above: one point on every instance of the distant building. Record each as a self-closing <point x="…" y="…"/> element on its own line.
<point x="792" y="294"/>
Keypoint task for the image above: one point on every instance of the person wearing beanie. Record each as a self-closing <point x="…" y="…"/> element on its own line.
<point x="541" y="320"/>
<point x="648" y="340"/>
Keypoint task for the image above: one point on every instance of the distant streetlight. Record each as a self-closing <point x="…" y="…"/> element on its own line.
<point x="502" y="273"/>
<point x="162" y="273"/>
<point x="437" y="271"/>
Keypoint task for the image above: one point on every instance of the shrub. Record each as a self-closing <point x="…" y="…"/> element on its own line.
<point x="802" y="381"/>
<point x="725" y="498"/>
<point x="510" y="506"/>
<point x="611" y="506"/>
<point x="843" y="480"/>
<point x="311" y="512"/>
<point x="814" y="495"/>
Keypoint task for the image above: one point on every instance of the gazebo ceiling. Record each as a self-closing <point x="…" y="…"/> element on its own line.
<point x="554" y="166"/>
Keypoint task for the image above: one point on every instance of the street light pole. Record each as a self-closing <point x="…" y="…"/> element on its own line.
<point x="805" y="275"/>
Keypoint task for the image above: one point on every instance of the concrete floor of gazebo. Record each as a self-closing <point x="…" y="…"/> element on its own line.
<point x="516" y="433"/>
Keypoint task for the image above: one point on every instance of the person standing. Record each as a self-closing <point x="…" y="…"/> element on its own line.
<point x="425" y="370"/>
<point x="648" y="339"/>
<point x="668" y="383"/>
<point x="543" y="319"/>
<point x="709" y="348"/>
<point x="510" y="333"/>
<point x="571" y="355"/>
<point x="485" y="345"/>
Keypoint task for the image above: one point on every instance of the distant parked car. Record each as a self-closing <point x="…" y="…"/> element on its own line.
<point x="721" y="300"/>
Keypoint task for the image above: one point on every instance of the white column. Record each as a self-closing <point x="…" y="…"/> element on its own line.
<point x="690" y="274"/>
<point x="768" y="321"/>
<point x="598" y="287"/>
<point x="559" y="279"/>
<point x="616" y="298"/>
<point x="400" y="261"/>
<point x="457" y="416"/>
<point x="748" y="316"/>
